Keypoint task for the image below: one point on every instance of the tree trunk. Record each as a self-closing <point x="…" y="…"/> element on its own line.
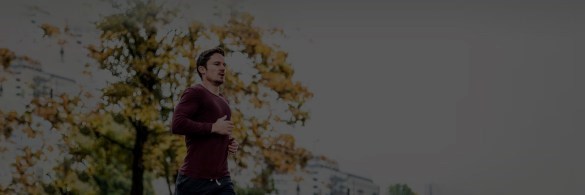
<point x="137" y="158"/>
<point x="167" y="175"/>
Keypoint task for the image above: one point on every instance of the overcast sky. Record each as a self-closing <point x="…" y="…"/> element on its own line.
<point x="482" y="97"/>
<point x="476" y="98"/>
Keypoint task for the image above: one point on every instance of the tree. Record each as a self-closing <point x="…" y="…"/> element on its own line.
<point x="400" y="189"/>
<point x="126" y="133"/>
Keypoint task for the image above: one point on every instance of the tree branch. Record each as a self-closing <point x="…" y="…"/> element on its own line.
<point x="112" y="140"/>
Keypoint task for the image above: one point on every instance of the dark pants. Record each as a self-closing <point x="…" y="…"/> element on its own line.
<point x="187" y="186"/>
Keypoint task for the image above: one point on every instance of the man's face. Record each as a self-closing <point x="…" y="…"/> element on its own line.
<point x="214" y="71"/>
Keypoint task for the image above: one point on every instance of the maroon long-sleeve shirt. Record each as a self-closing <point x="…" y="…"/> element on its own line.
<point x="193" y="117"/>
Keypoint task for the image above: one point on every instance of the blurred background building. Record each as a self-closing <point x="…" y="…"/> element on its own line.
<point x="323" y="176"/>
<point x="25" y="80"/>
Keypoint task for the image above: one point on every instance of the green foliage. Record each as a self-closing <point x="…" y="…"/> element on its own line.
<point x="400" y="189"/>
<point x="250" y="191"/>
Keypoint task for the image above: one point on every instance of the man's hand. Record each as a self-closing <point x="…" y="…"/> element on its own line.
<point x="222" y="126"/>
<point x="233" y="147"/>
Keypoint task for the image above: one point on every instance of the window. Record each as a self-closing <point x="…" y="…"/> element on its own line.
<point x="39" y="87"/>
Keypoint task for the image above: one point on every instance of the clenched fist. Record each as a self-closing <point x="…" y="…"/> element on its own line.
<point x="222" y="126"/>
<point x="233" y="147"/>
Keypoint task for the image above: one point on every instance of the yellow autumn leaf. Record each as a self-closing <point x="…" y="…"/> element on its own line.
<point x="29" y="132"/>
<point x="50" y="30"/>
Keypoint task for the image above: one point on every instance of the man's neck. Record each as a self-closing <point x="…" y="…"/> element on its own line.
<point x="211" y="87"/>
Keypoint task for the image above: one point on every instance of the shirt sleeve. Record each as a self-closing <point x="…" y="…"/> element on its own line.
<point x="188" y="106"/>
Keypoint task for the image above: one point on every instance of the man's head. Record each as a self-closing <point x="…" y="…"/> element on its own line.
<point x="211" y="66"/>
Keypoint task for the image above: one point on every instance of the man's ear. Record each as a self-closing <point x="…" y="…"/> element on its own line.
<point x="201" y="69"/>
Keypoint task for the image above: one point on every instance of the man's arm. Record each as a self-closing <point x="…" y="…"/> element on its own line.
<point x="181" y="124"/>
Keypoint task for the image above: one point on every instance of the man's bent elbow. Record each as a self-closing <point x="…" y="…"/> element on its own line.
<point x="175" y="128"/>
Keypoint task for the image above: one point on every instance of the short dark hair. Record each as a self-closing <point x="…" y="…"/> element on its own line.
<point x="204" y="57"/>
